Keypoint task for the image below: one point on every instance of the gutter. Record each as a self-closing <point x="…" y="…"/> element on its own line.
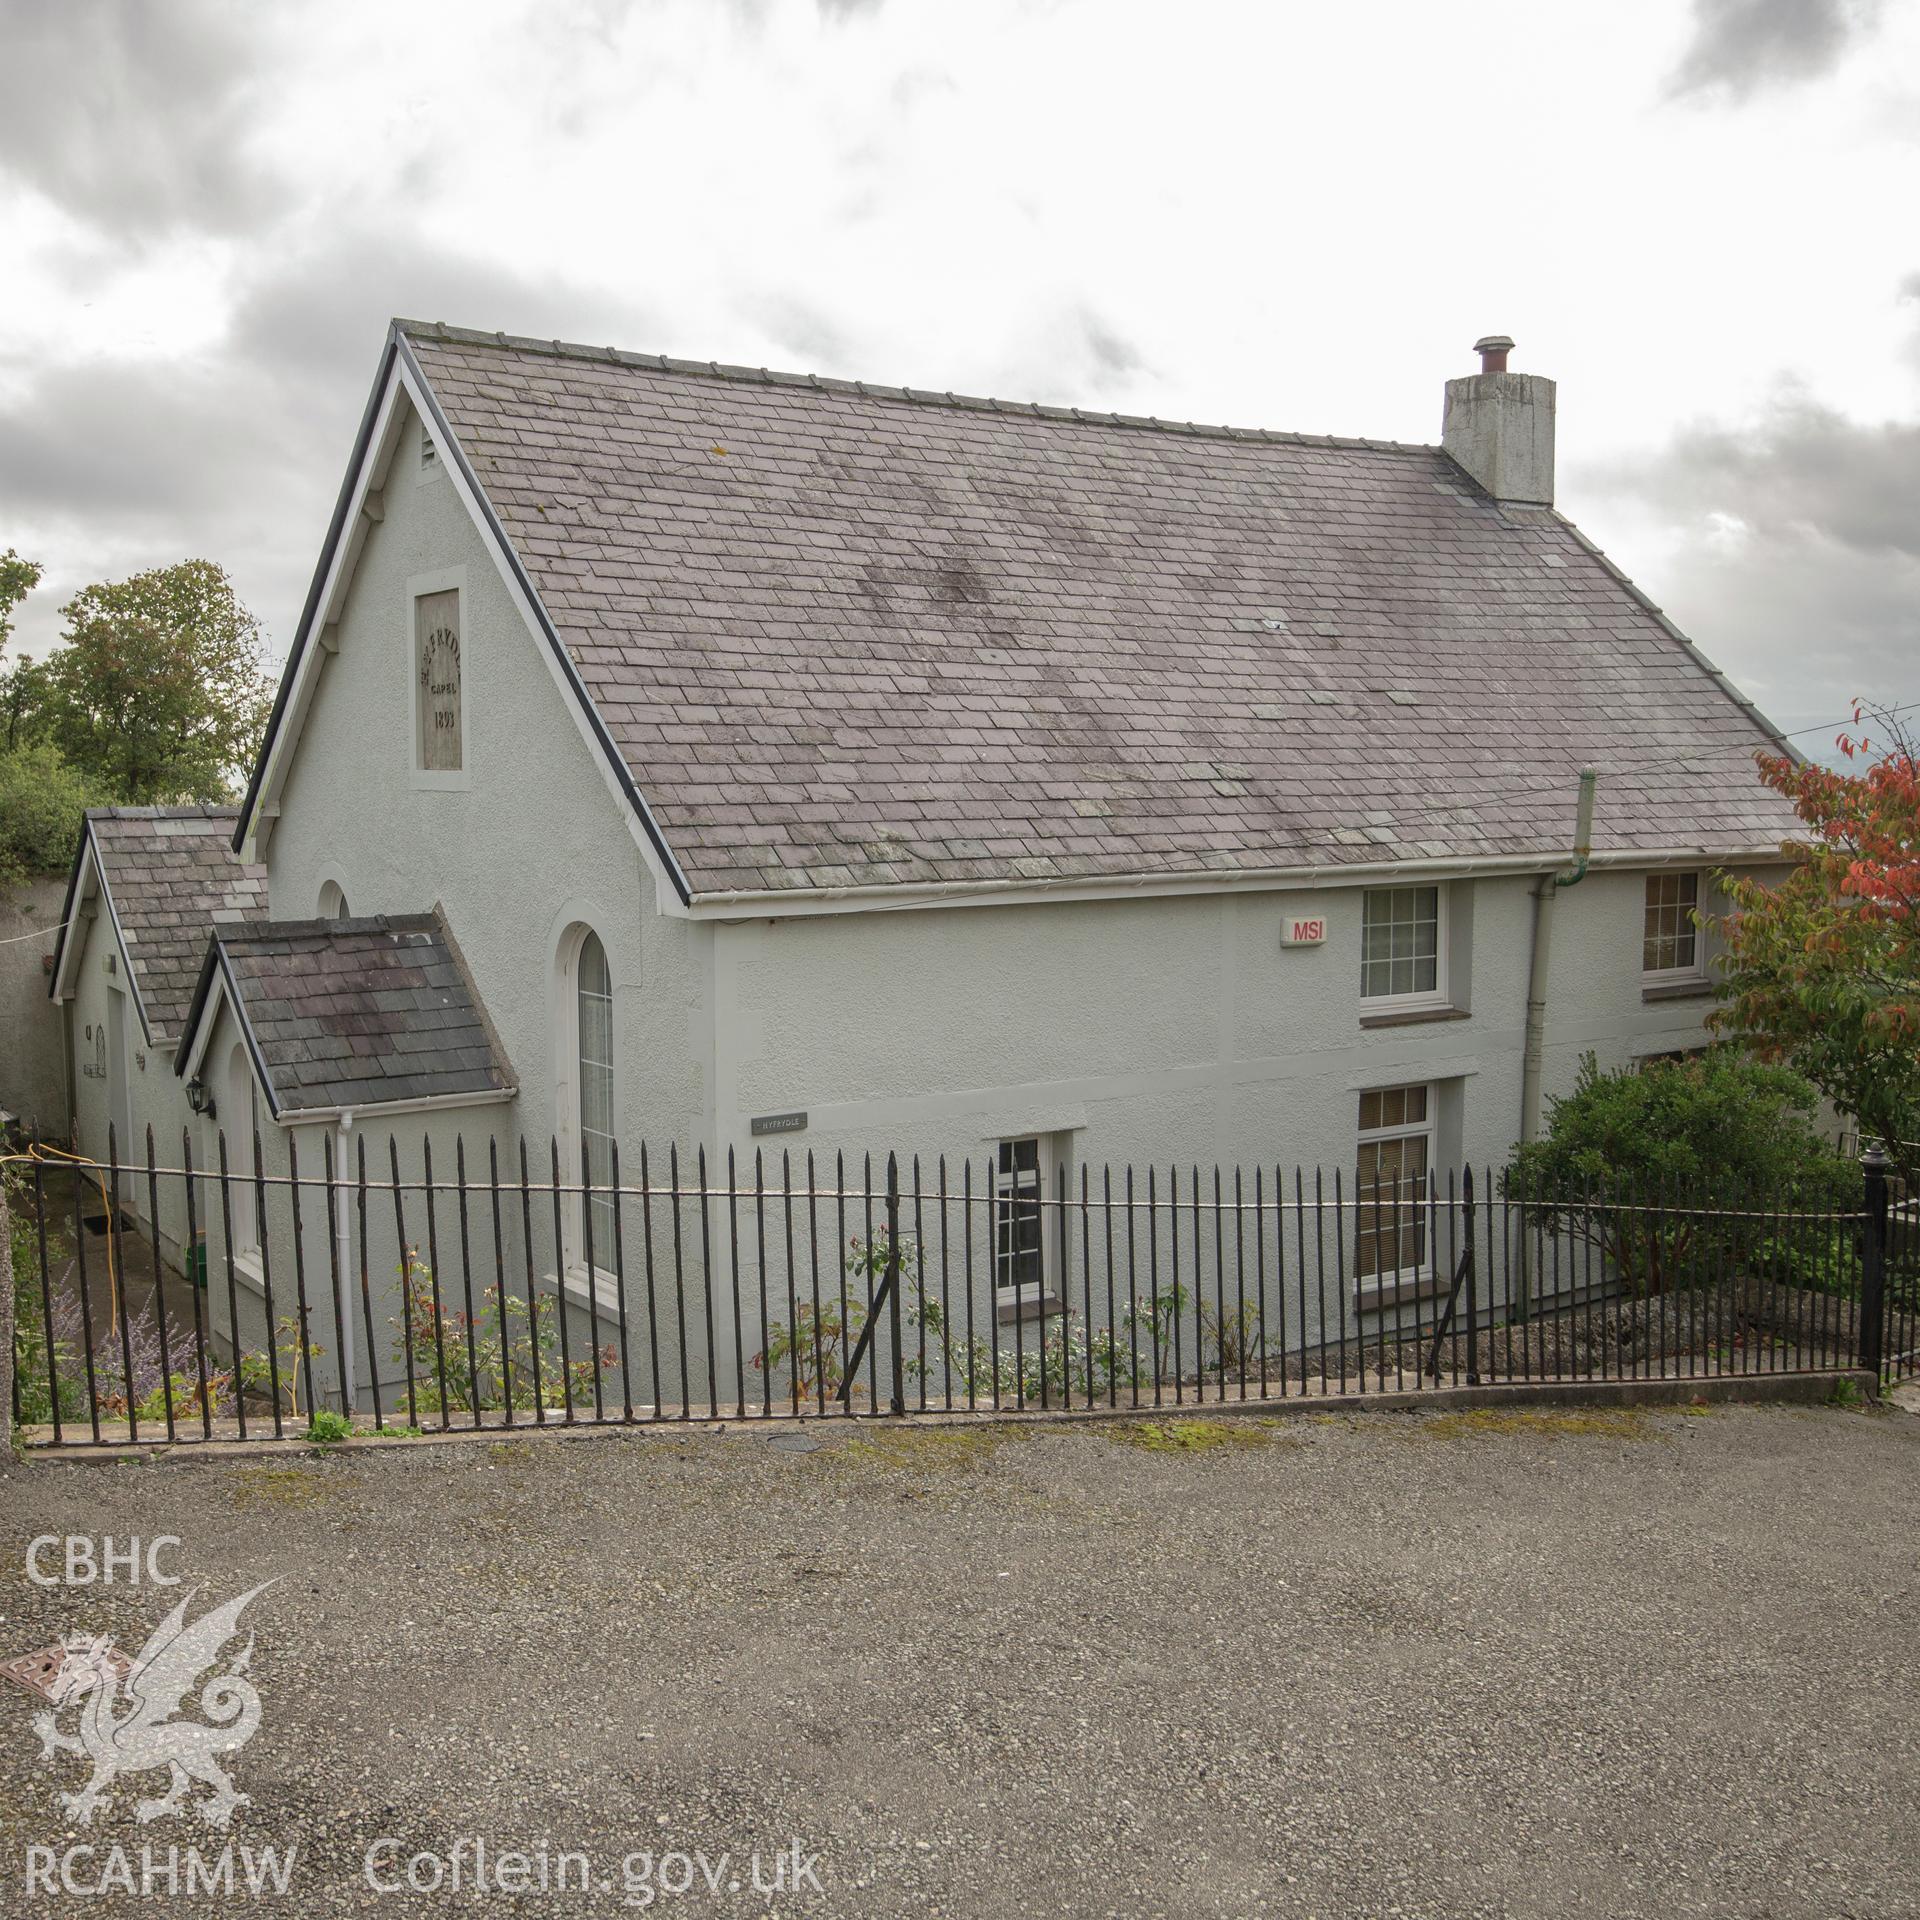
<point x="783" y="903"/>
<point x="344" y="1117"/>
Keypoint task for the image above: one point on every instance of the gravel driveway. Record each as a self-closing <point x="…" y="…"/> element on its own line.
<point x="1609" y="1664"/>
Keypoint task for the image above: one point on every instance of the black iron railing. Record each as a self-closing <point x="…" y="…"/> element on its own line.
<point x="183" y="1302"/>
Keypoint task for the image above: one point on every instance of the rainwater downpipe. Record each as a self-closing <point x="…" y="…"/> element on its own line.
<point x="343" y="1266"/>
<point x="1533" y="1063"/>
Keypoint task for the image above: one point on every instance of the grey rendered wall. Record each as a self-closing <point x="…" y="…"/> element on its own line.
<point x="32" y="1077"/>
<point x="1597" y="998"/>
<point x="1171" y="1033"/>
<point x="531" y="846"/>
<point x="1162" y="1030"/>
<point x="156" y="1099"/>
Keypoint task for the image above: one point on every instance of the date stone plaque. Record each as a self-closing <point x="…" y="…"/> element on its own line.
<point x="436" y="630"/>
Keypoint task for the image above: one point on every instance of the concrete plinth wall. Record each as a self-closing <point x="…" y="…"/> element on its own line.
<point x="6" y="1324"/>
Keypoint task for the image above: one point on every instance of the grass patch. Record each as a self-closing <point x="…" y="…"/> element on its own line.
<point x="1189" y="1436"/>
<point x="256" y="1488"/>
<point x="1596" y="1423"/>
<point x="929" y="1449"/>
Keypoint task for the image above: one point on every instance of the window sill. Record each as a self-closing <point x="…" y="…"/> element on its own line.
<point x="246" y="1272"/>
<point x="1697" y="988"/>
<point x="1029" y="1307"/>
<point x="1399" y="1293"/>
<point x="1411" y="1017"/>
<point x="604" y="1296"/>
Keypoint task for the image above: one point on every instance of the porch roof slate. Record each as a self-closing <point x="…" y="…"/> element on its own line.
<point x="848" y="636"/>
<point x="359" y="1013"/>
<point x="172" y="877"/>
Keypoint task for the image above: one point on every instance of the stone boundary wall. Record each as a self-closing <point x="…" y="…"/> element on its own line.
<point x="32" y="1064"/>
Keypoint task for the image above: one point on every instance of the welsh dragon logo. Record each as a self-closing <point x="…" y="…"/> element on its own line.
<point x="138" y="1733"/>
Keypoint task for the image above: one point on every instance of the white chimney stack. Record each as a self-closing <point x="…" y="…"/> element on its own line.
<point x="1499" y="426"/>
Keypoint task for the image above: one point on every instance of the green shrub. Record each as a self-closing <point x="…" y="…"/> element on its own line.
<point x="1672" y="1168"/>
<point x="328" y="1428"/>
<point x="257" y="1371"/>
<point x="815" y="1350"/>
<point x="1819" y="1257"/>
<point x="30" y="1336"/>
<point x="491" y="1358"/>
<point x="1059" y="1361"/>
<point x="1062" y="1355"/>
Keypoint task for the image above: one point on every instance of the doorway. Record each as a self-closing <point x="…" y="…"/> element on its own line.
<point x="119" y="1101"/>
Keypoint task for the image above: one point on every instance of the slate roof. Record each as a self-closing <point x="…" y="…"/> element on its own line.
<point x="357" y="1013"/>
<point x="848" y="636"/>
<point x="172" y="876"/>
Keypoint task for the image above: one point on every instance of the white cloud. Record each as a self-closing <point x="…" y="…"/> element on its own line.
<point x="1788" y="544"/>
<point x="1742" y="46"/>
<point x="136" y="118"/>
<point x="1287" y="217"/>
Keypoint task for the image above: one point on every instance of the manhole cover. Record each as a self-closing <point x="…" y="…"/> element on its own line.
<point x="793" y="1442"/>
<point x="37" y="1671"/>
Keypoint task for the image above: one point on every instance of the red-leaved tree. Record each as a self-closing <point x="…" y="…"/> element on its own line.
<point x="1822" y="970"/>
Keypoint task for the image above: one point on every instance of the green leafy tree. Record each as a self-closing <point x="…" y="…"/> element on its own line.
<point x="22" y="695"/>
<point x="41" y="797"/>
<point x="18" y="578"/>
<point x="25" y="704"/>
<point x="41" y="803"/>
<point x="1822" y="970"/>
<point x="1639" y="1159"/>
<point x="160" y="692"/>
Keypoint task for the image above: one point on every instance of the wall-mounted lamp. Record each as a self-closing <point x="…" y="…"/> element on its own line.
<point x="198" y="1098"/>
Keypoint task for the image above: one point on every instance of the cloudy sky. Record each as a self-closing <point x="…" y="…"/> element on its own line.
<point x="1699" y="215"/>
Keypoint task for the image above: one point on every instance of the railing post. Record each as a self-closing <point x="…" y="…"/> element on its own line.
<point x="1873" y="1264"/>
<point x="893" y="1284"/>
<point x="1473" y="1281"/>
<point x="1519" y="1271"/>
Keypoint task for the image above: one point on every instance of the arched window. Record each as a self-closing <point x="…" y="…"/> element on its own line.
<point x="333" y="901"/>
<point x="593" y="1026"/>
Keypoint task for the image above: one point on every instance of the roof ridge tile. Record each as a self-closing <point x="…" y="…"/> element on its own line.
<point x="869" y="390"/>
